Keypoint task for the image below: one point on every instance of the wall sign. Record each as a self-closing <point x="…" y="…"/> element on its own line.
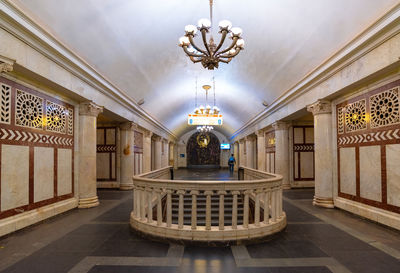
<point x="194" y="119"/>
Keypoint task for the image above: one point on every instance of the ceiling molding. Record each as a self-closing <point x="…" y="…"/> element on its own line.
<point x="379" y="32"/>
<point x="14" y="21"/>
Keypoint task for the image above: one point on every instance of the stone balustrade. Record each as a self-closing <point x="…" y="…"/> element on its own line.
<point x="261" y="206"/>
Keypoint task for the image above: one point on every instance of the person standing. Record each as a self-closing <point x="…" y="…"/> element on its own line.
<point x="231" y="163"/>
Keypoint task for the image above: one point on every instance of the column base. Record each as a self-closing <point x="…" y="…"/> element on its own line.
<point x="85" y="203"/>
<point x="126" y="187"/>
<point x="286" y="186"/>
<point x="323" y="202"/>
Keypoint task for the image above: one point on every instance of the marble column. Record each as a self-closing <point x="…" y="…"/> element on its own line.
<point x="166" y="152"/>
<point x="147" y="151"/>
<point x="157" y="152"/>
<point x="176" y="156"/>
<point x="282" y="151"/>
<point x="170" y="153"/>
<point x="236" y="154"/>
<point x="250" y="151"/>
<point x="127" y="155"/>
<point x="322" y="112"/>
<point x="88" y="112"/>
<point x="242" y="154"/>
<point x="260" y="150"/>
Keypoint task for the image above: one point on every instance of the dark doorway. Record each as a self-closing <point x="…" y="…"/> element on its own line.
<point x="203" y="151"/>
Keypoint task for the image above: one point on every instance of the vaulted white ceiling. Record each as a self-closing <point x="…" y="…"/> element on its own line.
<point x="134" y="45"/>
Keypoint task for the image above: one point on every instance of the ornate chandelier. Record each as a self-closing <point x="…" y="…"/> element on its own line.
<point x="211" y="55"/>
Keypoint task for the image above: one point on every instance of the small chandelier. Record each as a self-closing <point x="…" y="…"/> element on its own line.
<point x="211" y="55"/>
<point x="204" y="128"/>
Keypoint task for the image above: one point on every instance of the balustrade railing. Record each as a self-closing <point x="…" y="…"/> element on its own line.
<point x="258" y="198"/>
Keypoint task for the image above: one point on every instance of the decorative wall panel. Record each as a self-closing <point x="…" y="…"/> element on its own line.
<point x="385" y="108"/>
<point x="355" y="116"/>
<point x="28" y="110"/>
<point x="56" y="118"/>
<point x="270" y="151"/>
<point x="34" y="127"/>
<point x="5" y="103"/>
<point x="369" y="125"/>
<point x="303" y="153"/>
<point x="106" y="153"/>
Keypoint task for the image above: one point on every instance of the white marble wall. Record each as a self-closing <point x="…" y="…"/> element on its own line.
<point x="64" y="172"/>
<point x="14" y="176"/>
<point x="370" y="173"/>
<point x="348" y="170"/>
<point x="393" y="174"/>
<point x="43" y="178"/>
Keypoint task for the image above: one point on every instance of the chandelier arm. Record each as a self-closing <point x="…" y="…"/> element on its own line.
<point x="230" y="47"/>
<point x="225" y="61"/>
<point x="191" y="54"/>
<point x="194" y="60"/>
<point x="203" y="34"/>
<point x="224" y="32"/>
<point x="231" y="55"/>
<point x="194" y="45"/>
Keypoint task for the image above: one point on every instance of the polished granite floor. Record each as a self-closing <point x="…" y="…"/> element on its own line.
<point x="100" y="240"/>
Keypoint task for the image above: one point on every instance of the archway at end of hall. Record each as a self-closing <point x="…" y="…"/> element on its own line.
<point x="203" y="151"/>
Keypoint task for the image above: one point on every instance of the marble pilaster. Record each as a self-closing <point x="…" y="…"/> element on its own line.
<point x="88" y="112"/>
<point x="242" y="154"/>
<point x="260" y="150"/>
<point x="236" y="155"/>
<point x="250" y="151"/>
<point x="282" y="151"/>
<point x="157" y="152"/>
<point x="147" y="151"/>
<point x="322" y="112"/>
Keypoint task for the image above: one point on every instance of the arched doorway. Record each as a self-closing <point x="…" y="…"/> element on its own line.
<point x="203" y="151"/>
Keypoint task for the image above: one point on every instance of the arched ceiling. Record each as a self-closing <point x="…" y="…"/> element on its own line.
<point x="134" y="45"/>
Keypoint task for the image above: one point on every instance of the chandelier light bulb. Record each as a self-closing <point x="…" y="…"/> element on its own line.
<point x="225" y="25"/>
<point x="232" y="51"/>
<point x="236" y="31"/>
<point x="184" y="41"/>
<point x="204" y="23"/>
<point x="191" y="29"/>
<point x="240" y="43"/>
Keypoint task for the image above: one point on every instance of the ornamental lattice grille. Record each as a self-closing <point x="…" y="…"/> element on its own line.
<point x="56" y="118"/>
<point x="28" y="110"/>
<point x="385" y="108"/>
<point x="355" y="117"/>
<point x="5" y="103"/>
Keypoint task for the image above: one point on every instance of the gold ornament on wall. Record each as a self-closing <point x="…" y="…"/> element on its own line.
<point x="203" y="140"/>
<point x="127" y="150"/>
